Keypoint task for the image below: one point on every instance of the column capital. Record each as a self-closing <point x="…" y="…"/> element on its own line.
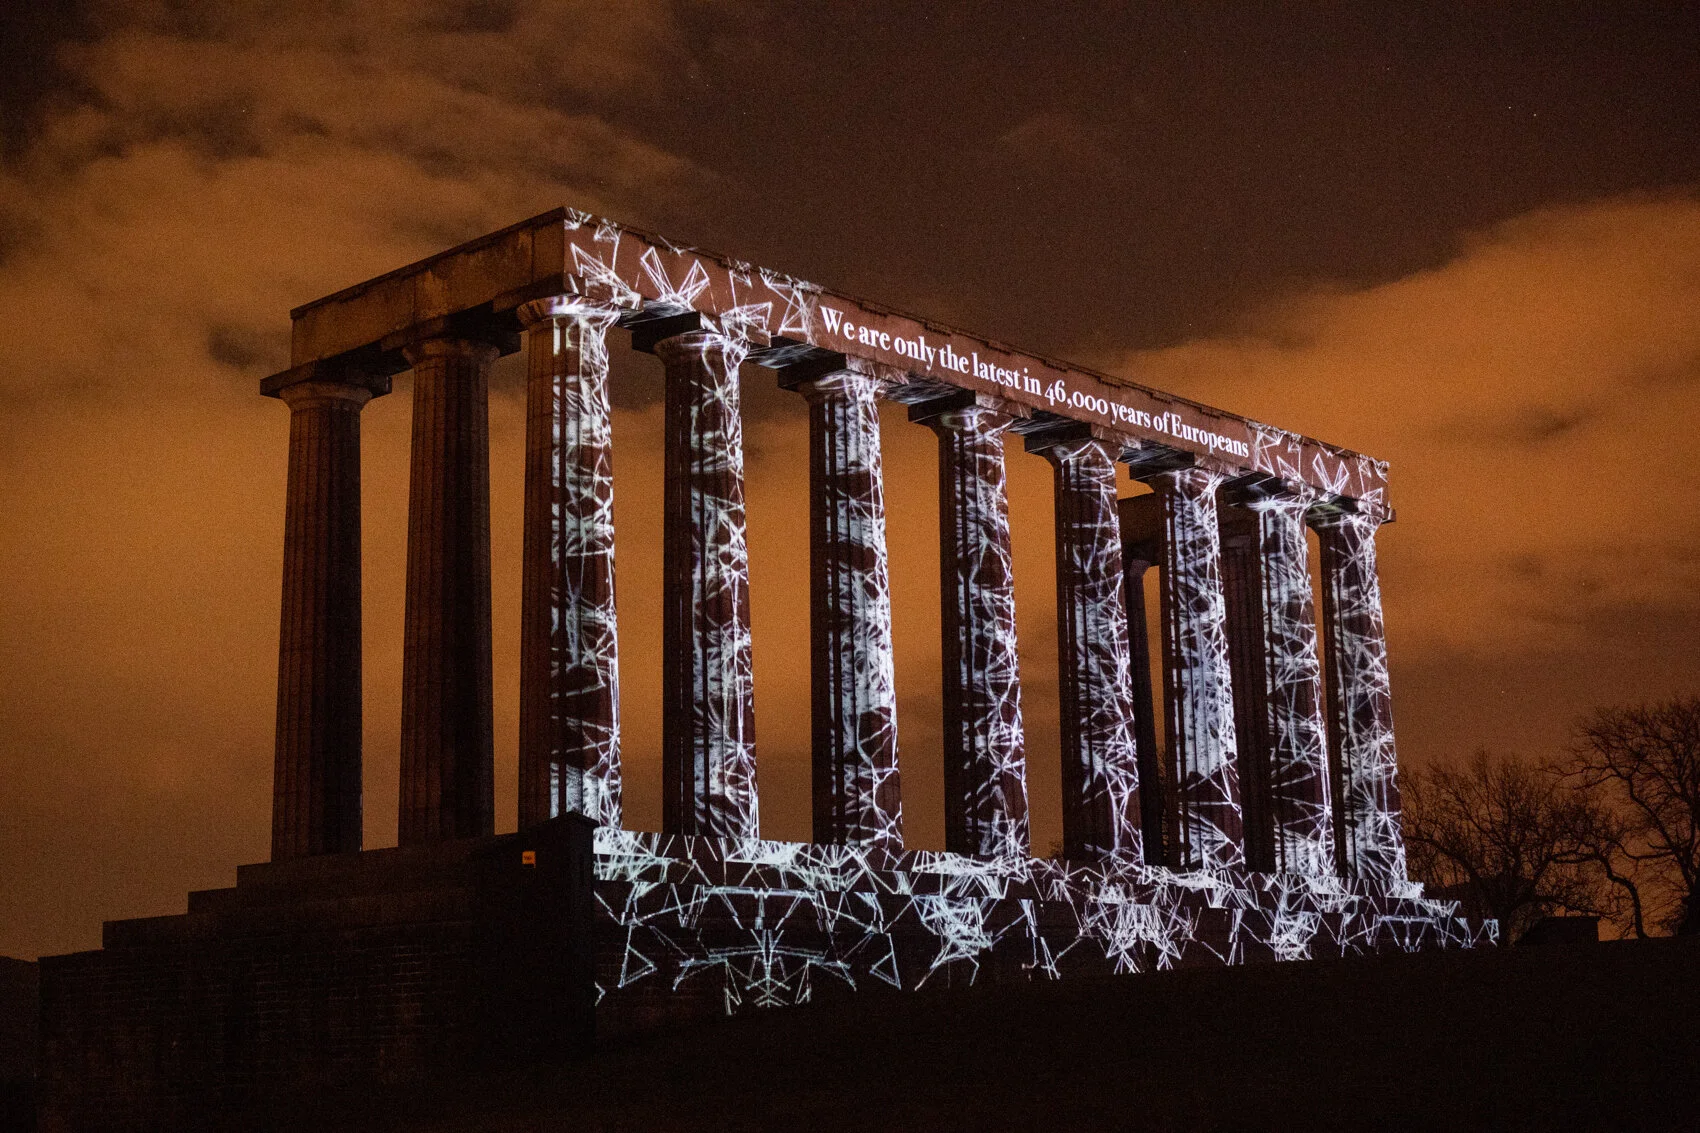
<point x="325" y="395"/>
<point x="1058" y="438"/>
<point x="330" y="372"/>
<point x="567" y="307"/>
<point x="839" y="382"/>
<point x="703" y="343"/>
<point x="1147" y="461"/>
<point x="1326" y="515"/>
<point x="961" y="409"/>
<point x="1268" y="493"/>
<point x="1188" y="479"/>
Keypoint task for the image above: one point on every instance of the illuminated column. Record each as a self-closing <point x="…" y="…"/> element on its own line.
<point x="1100" y="770"/>
<point x="569" y="682"/>
<point x="1362" y="762"/>
<point x="1241" y="589"/>
<point x="708" y="770"/>
<point x="1198" y="694"/>
<point x="856" y="796"/>
<point x="447" y="771"/>
<point x="316" y="774"/>
<point x="985" y="772"/>
<point x="1285" y="736"/>
<point x="1141" y="520"/>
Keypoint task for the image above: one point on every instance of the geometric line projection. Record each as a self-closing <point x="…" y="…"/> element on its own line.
<point x="1100" y="768"/>
<point x="708" y="723"/>
<point x="984" y="748"/>
<point x="569" y="645"/>
<point x="1363" y="762"/>
<point x="1199" y="722"/>
<point x="854" y="690"/>
<point x="755" y="923"/>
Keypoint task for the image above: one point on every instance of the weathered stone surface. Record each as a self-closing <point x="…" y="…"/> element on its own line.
<point x="447" y="743"/>
<point x="316" y="789"/>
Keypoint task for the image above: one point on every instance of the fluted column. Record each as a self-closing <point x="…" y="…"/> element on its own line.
<point x="1100" y="768"/>
<point x="1362" y="760"/>
<point x="316" y="772"/>
<point x="854" y="693"/>
<point x="1198" y="693"/>
<point x="1288" y="735"/>
<point x="569" y="680"/>
<point x="447" y="770"/>
<point x="985" y="770"/>
<point x="708" y="770"/>
<point x="1141" y="521"/>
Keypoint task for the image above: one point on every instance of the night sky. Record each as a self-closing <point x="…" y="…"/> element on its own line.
<point x="1466" y="242"/>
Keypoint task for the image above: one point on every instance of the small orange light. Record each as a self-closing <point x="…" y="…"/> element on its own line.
<point x="528" y="857"/>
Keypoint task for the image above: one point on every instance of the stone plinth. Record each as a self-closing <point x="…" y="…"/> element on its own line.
<point x="341" y="971"/>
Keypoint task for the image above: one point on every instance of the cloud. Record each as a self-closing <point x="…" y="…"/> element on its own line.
<point x="1057" y="142"/>
<point x="209" y="172"/>
<point x="216" y="167"/>
<point x="1537" y="397"/>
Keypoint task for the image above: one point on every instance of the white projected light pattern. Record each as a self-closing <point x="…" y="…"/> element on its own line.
<point x="1298" y="741"/>
<point x="763" y="924"/>
<point x="709" y="728"/>
<point x="1100" y="770"/>
<point x="1357" y="650"/>
<point x="985" y="762"/>
<point x="1200" y="720"/>
<point x="578" y="718"/>
<point x="712" y="912"/>
<point x="856" y="793"/>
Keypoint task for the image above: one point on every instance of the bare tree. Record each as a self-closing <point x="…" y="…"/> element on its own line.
<point x="1642" y="763"/>
<point x="1504" y="837"/>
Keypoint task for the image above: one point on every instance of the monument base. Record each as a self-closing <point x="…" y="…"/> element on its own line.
<point x="697" y="927"/>
<point x="398" y="966"/>
<point x="382" y="967"/>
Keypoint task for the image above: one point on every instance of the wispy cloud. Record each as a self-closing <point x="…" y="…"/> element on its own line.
<point x="1538" y="397"/>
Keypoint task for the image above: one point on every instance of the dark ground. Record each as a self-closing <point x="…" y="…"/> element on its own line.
<point x="1603" y="1036"/>
<point x="19" y="1013"/>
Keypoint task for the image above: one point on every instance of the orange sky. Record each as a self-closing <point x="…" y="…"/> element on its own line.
<point x="1508" y="314"/>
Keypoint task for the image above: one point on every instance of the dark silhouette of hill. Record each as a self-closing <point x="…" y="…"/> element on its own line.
<point x="1597" y="1036"/>
<point x="20" y="1009"/>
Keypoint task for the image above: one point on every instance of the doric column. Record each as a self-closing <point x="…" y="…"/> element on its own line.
<point x="569" y="681"/>
<point x="856" y="796"/>
<point x="447" y="772"/>
<point x="1279" y="680"/>
<point x="1142" y="548"/>
<point x="708" y="770"/>
<point x="1100" y="768"/>
<point x="316" y="774"/>
<point x="985" y="771"/>
<point x="1198" y="694"/>
<point x="1362" y="761"/>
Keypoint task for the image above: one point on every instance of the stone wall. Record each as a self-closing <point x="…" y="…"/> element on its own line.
<point x="385" y="967"/>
